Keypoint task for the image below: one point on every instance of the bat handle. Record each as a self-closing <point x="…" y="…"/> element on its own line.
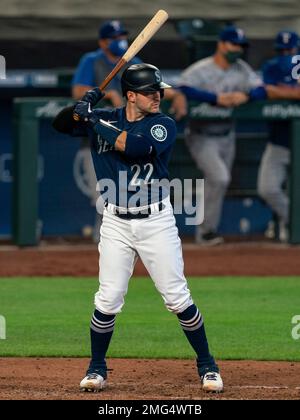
<point x="120" y="64"/>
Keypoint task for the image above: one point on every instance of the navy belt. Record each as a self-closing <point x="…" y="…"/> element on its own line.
<point x="143" y="214"/>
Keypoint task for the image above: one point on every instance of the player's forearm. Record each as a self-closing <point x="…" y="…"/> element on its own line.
<point x="132" y="145"/>
<point x="199" y="94"/>
<point x="282" y="92"/>
<point x="179" y="106"/>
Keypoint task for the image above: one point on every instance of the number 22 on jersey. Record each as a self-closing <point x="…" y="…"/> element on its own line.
<point x="138" y="172"/>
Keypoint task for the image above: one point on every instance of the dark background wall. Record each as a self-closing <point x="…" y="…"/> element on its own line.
<point x="181" y="41"/>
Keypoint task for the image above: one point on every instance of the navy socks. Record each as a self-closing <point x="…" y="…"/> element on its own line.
<point x="192" y="324"/>
<point x="102" y="327"/>
<point x="191" y="321"/>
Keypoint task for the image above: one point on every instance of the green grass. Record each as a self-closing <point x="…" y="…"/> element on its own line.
<point x="245" y="317"/>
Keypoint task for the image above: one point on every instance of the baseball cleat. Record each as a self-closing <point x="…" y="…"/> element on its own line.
<point x="92" y="383"/>
<point x="212" y="382"/>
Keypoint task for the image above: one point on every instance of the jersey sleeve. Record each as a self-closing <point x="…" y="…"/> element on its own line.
<point x="252" y="79"/>
<point x="84" y="74"/>
<point x="190" y="77"/>
<point x="105" y="113"/>
<point x="161" y="134"/>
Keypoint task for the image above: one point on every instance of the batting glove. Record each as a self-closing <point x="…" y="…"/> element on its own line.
<point x="85" y="113"/>
<point x="93" y="96"/>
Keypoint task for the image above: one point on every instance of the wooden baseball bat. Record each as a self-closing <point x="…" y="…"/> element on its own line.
<point x="140" y="41"/>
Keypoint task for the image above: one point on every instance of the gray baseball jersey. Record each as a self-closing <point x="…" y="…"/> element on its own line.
<point x="206" y="75"/>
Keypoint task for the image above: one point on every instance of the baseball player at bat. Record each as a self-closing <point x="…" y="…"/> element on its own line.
<point x="91" y="71"/>
<point x="131" y="148"/>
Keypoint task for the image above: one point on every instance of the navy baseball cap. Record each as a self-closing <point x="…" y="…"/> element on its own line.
<point x="286" y="40"/>
<point x="111" y="29"/>
<point x="234" y="35"/>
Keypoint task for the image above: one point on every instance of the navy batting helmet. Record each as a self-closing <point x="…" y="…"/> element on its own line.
<point x="142" y="78"/>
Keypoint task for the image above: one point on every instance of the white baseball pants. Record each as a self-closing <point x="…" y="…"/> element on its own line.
<point x="155" y="239"/>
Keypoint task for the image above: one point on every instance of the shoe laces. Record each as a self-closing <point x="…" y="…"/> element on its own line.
<point x="92" y="376"/>
<point x="211" y="376"/>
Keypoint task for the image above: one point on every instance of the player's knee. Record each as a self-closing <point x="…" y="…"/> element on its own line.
<point x="220" y="181"/>
<point x="267" y="191"/>
<point x="179" y="304"/>
<point x="110" y="303"/>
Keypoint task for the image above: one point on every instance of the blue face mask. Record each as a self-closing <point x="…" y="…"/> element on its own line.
<point x="118" y="47"/>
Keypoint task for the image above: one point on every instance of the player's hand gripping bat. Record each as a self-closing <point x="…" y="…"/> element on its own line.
<point x="140" y="41"/>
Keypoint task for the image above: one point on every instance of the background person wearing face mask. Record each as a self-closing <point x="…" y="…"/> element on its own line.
<point x="222" y="79"/>
<point x="92" y="69"/>
<point x="273" y="170"/>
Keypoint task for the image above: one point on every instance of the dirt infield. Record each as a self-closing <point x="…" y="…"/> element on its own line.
<point x="49" y="379"/>
<point x="82" y="260"/>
